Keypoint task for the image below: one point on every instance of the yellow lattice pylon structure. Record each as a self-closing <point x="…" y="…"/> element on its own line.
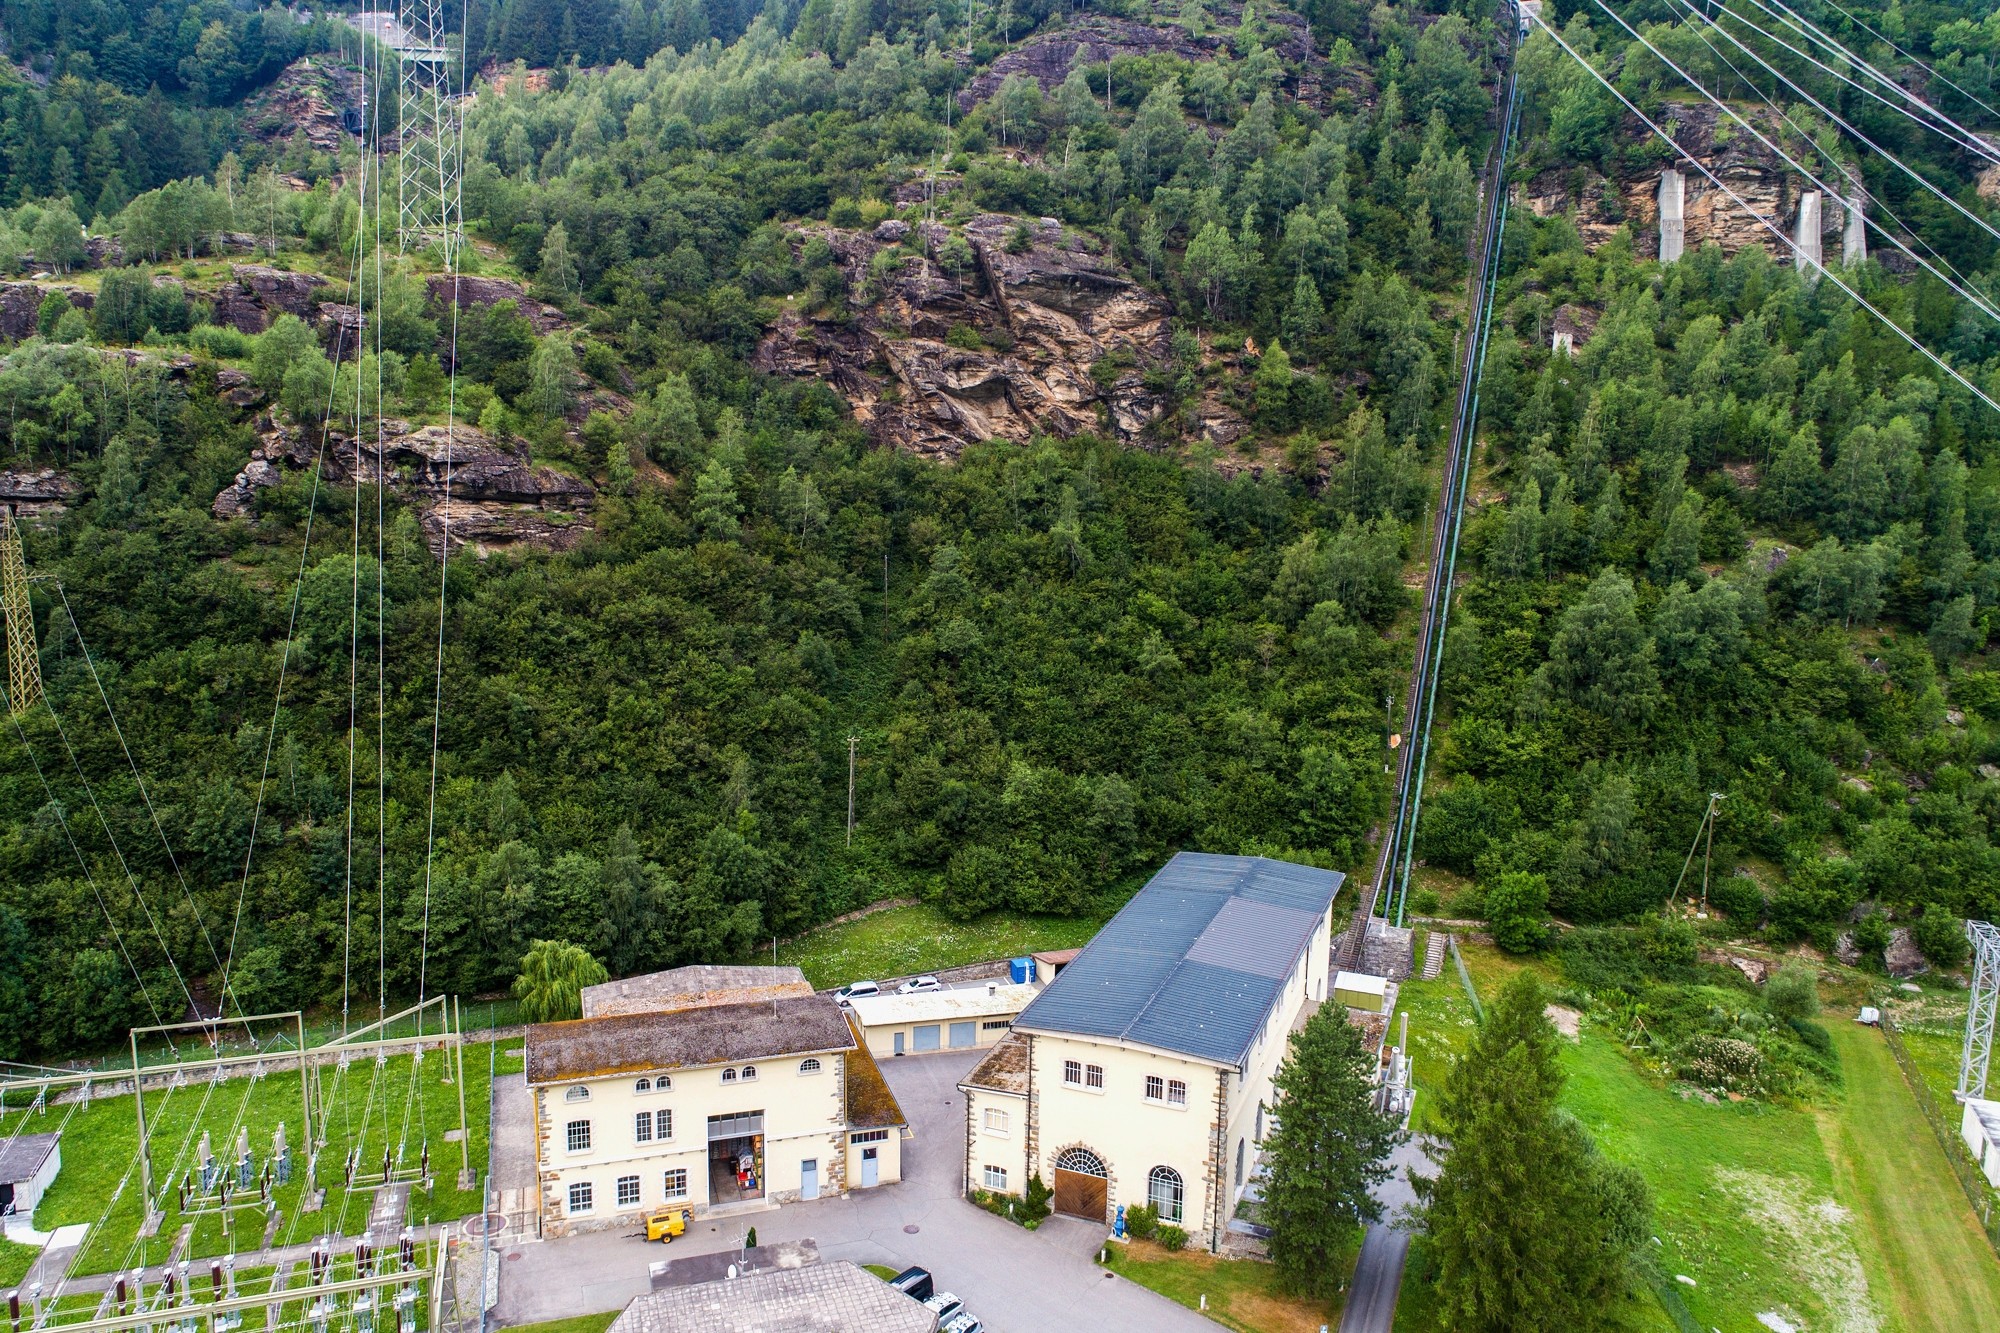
<point x="24" y="660"/>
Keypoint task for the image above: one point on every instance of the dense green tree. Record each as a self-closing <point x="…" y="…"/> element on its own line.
<point x="1328" y="1152"/>
<point x="553" y="976"/>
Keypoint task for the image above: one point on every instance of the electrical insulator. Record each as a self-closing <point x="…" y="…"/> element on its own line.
<point x="385" y="1166"/>
<point x="14" y="1309"/>
<point x="215" y="1278"/>
<point x="409" y="1248"/>
<point x="121" y="1293"/>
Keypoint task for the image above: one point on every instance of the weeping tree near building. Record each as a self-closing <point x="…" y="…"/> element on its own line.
<point x="553" y="975"/>
<point x="1328" y="1152"/>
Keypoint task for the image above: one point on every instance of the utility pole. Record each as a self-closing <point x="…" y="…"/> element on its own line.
<point x="24" y="661"/>
<point x="851" y="740"/>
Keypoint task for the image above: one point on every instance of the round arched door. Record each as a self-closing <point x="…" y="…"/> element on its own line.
<point x="1082" y="1184"/>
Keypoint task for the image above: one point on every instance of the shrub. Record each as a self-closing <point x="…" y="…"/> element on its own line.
<point x="750" y="1241"/>
<point x="1424" y="902"/>
<point x="1941" y="936"/>
<point x="1170" y="1237"/>
<point x="1722" y="1062"/>
<point x="1793" y="994"/>
<point x="1035" y="1206"/>
<point x="964" y="337"/>
<point x="1739" y="898"/>
<point x="1871" y="937"/>
<point x="1141" y="1222"/>
<point x="219" y="341"/>
<point x="1517" y="905"/>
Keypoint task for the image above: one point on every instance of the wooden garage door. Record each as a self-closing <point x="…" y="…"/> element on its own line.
<point x="1081" y="1184"/>
<point x="1080" y="1195"/>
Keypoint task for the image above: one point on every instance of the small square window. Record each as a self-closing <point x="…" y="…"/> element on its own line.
<point x="1176" y="1092"/>
<point x="677" y="1183"/>
<point x="580" y="1197"/>
<point x="996" y="1120"/>
<point x="628" y="1191"/>
<point x="996" y="1177"/>
<point x="1073" y="1072"/>
<point x="642" y="1127"/>
<point x="576" y="1135"/>
<point x="1093" y="1077"/>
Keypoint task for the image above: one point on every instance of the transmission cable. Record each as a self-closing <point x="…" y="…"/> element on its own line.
<point x="1812" y="33"/>
<point x="1977" y="301"/>
<point x="1844" y="124"/>
<point x="1768" y="225"/>
<point x="1970" y="143"/>
<point x="1912" y="59"/>
<point x="153" y="814"/>
<point x="1874" y="201"/>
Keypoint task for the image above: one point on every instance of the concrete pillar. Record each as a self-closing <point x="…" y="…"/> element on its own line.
<point x="1854" y="234"/>
<point x="1806" y="238"/>
<point x="1673" y="216"/>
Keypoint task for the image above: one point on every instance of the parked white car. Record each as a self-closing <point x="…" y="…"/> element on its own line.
<point x="857" y="990"/>
<point x="920" y="986"/>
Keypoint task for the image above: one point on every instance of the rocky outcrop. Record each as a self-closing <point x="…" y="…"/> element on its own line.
<point x="474" y="292"/>
<point x="468" y="488"/>
<point x="278" y="291"/>
<point x="36" y="490"/>
<point x="308" y="98"/>
<point x="1094" y="39"/>
<point x="1040" y="331"/>
<point x="21" y="306"/>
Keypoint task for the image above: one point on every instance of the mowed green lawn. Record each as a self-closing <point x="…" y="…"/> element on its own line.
<point x="1933" y="1267"/>
<point x="902" y="941"/>
<point x="1841" y="1217"/>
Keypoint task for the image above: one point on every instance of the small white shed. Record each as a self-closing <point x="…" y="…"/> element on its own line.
<point x="1358" y="990"/>
<point x="28" y="1166"/>
<point x="1980" y="1128"/>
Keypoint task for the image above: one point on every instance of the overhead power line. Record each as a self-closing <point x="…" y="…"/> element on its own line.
<point x="1928" y="71"/>
<point x="1978" y="302"/>
<point x="1764" y="221"/>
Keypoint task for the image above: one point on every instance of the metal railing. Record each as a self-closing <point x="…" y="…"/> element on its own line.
<point x="1977" y="1192"/>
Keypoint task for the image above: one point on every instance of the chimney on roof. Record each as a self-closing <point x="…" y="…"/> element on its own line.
<point x="992" y="988"/>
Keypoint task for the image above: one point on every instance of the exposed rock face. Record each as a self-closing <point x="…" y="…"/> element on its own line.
<point x="260" y="294"/>
<point x="1753" y="172"/>
<point x="36" y="490"/>
<point x="477" y="292"/>
<point x="1093" y="39"/>
<point x="307" y="98"/>
<point x="1005" y="346"/>
<point x="468" y="487"/>
<point x="21" y="305"/>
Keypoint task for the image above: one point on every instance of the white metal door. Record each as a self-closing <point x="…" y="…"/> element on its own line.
<point x="871" y="1169"/>
<point x="809" y="1178"/>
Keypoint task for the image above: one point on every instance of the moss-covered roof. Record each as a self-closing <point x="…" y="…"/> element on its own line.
<point x="870" y="1104"/>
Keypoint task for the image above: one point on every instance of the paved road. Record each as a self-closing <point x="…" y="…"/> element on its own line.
<point x="1016" y="1281"/>
<point x="1378" y="1273"/>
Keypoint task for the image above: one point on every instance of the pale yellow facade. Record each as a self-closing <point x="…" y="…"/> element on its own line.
<point x="952" y="1020"/>
<point x="629" y="1167"/>
<point x="1197" y="1119"/>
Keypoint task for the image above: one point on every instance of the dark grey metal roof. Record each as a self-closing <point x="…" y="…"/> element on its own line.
<point x="1194" y="962"/>
<point x="22" y="1156"/>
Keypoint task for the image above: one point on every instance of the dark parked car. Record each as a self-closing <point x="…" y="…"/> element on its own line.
<point x="914" y="1283"/>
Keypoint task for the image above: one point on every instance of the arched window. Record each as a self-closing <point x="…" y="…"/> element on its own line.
<point x="808" y="1066"/>
<point x="577" y="1094"/>
<point x="749" y="1072"/>
<point x="643" y="1085"/>
<point x="728" y="1076"/>
<point x="1082" y="1161"/>
<point x="1164" y="1193"/>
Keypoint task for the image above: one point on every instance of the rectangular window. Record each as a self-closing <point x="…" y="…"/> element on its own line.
<point x="1176" y="1092"/>
<point x="1093" y="1077"/>
<point x="677" y="1184"/>
<point x="628" y="1191"/>
<point x="642" y="1127"/>
<point x="996" y="1177"/>
<point x="996" y="1025"/>
<point x="576" y="1134"/>
<point x="663" y="1125"/>
<point x="996" y="1120"/>
<point x="869" y="1136"/>
<point x="1073" y="1073"/>
<point x="1156" y="1088"/>
<point x="580" y="1197"/>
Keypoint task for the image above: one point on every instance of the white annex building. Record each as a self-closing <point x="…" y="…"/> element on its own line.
<point x="704" y="1087"/>
<point x="1142" y="1074"/>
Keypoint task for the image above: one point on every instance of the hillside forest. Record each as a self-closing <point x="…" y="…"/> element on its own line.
<point x="1740" y="541"/>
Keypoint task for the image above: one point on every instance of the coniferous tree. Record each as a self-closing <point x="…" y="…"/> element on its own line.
<point x="1329" y="1150"/>
<point x="1530" y="1227"/>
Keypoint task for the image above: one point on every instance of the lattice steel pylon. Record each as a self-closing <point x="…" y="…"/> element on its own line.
<point x="428" y="165"/>
<point x="24" y="659"/>
<point x="1980" y="1010"/>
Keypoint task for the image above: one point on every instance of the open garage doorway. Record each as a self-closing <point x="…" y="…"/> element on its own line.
<point x="736" y="1157"/>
